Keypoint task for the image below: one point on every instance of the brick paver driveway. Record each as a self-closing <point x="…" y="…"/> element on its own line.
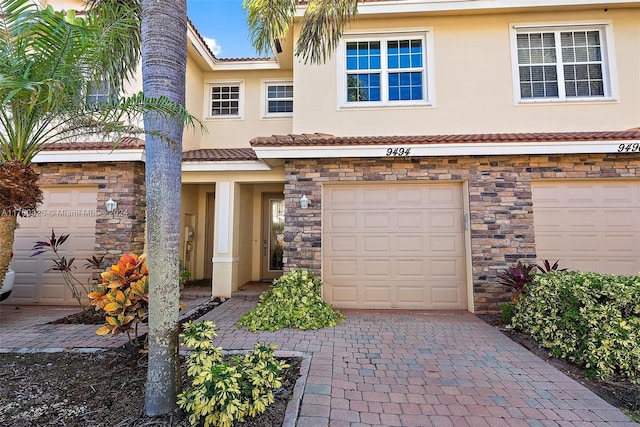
<point x="422" y="369"/>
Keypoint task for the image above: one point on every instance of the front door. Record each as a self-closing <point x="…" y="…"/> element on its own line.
<point x="272" y="235"/>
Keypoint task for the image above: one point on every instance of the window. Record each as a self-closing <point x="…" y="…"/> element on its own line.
<point x="388" y="70"/>
<point x="562" y="64"/>
<point x="225" y="100"/>
<point x="279" y="99"/>
<point x="99" y="93"/>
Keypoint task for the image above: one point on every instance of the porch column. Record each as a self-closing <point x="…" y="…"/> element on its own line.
<point x="225" y="247"/>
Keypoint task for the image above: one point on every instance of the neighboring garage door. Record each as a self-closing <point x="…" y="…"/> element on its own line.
<point x="588" y="225"/>
<point x="391" y="246"/>
<point x="68" y="211"/>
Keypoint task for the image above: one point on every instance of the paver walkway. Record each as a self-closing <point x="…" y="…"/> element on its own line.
<point x="422" y="369"/>
<point x="382" y="369"/>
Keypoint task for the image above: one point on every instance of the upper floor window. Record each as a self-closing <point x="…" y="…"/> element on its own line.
<point x="389" y="70"/>
<point x="279" y="99"/>
<point x="225" y="100"/>
<point x="562" y="64"/>
<point x="98" y="93"/>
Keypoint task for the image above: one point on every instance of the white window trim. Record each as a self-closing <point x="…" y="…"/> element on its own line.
<point x="609" y="70"/>
<point x="426" y="34"/>
<point x="207" y="99"/>
<point x="264" y="110"/>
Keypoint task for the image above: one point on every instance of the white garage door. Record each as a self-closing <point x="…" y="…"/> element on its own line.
<point x="68" y="211"/>
<point x="588" y="226"/>
<point x="394" y="246"/>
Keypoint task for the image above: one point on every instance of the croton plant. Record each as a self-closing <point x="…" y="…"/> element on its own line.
<point x="123" y="294"/>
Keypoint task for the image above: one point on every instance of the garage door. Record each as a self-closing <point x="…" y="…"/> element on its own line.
<point x="589" y="226"/>
<point x="67" y="211"/>
<point x="394" y="246"/>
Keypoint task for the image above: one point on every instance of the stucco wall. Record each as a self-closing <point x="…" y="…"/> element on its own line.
<point x="500" y="206"/>
<point x="473" y="82"/>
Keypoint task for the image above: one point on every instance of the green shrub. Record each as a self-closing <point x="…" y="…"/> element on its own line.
<point x="294" y="302"/>
<point x="590" y="319"/>
<point x="224" y="391"/>
<point x="507" y="311"/>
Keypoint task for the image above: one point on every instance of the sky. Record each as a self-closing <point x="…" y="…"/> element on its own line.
<point x="222" y="23"/>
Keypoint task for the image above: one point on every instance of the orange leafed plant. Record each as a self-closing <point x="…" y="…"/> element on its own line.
<point x="123" y="294"/>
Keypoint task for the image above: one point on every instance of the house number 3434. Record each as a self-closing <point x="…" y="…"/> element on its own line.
<point x="395" y="152"/>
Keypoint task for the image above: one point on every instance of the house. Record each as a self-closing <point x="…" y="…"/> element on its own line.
<point x="441" y="143"/>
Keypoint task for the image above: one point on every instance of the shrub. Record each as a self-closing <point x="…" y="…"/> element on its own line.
<point x="547" y="267"/>
<point x="507" y="311"/>
<point x="590" y="319"/>
<point x="517" y="278"/>
<point x="294" y="302"/>
<point x="123" y="294"/>
<point x="226" y="391"/>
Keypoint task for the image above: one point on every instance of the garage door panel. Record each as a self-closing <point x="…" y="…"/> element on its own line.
<point x="444" y="268"/>
<point x="400" y="240"/>
<point x="411" y="296"/>
<point x="409" y="220"/>
<point x="376" y="243"/>
<point x="343" y="268"/>
<point x="448" y="244"/>
<point x="377" y="294"/>
<point x="342" y="221"/>
<point x="345" y="295"/>
<point x="409" y="244"/>
<point x="444" y="297"/>
<point x="410" y="269"/>
<point x="444" y="196"/>
<point x="342" y="197"/>
<point x="589" y="225"/>
<point x="373" y="220"/>
<point x="376" y="269"/>
<point x="445" y="220"/>
<point x="344" y="244"/>
<point x="622" y="219"/>
<point x="408" y="196"/>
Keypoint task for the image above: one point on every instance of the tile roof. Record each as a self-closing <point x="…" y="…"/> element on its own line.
<point x="204" y="43"/>
<point x="219" y="155"/>
<point x="322" y="139"/>
<point x="127" y="143"/>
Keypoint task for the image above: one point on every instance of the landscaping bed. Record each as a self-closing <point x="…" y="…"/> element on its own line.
<point x="102" y="389"/>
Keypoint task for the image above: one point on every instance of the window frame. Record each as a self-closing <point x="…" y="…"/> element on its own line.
<point x="97" y="92"/>
<point x="608" y="61"/>
<point x="264" y="110"/>
<point x="208" y="101"/>
<point x="428" y="81"/>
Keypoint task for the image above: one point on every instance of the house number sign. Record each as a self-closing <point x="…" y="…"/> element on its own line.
<point x="629" y="148"/>
<point x="398" y="152"/>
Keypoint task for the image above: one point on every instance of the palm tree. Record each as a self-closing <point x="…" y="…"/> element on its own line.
<point x="321" y="28"/>
<point x="164" y="58"/>
<point x="164" y="53"/>
<point x="48" y="59"/>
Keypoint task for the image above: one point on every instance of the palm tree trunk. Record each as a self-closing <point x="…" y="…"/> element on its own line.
<point x="164" y="56"/>
<point x="8" y="225"/>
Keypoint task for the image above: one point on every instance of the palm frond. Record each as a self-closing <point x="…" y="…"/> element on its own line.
<point x="268" y="20"/>
<point x="119" y="21"/>
<point x="322" y="27"/>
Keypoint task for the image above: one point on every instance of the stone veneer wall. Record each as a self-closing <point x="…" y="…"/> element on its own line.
<point x="124" y="182"/>
<point x="500" y="205"/>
